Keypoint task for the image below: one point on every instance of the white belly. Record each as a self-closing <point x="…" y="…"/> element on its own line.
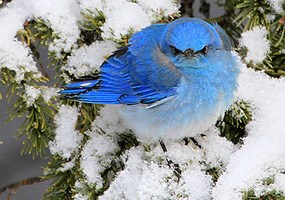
<point x="182" y="116"/>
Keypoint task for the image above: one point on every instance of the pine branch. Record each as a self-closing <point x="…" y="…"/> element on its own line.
<point x="233" y="124"/>
<point x="271" y="195"/>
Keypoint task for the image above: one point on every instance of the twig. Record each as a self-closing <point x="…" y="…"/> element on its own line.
<point x="4" y="2"/>
<point x="187" y="7"/>
<point x="37" y="56"/>
<point x="16" y="185"/>
<point x="205" y="8"/>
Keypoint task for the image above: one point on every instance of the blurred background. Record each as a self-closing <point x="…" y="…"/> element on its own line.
<point x="14" y="166"/>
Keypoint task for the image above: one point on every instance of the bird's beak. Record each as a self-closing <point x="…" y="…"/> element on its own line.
<point x="189" y="53"/>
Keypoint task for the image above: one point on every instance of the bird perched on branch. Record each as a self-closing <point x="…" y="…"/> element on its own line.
<point x="171" y="80"/>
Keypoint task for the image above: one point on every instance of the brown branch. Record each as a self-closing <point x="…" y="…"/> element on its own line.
<point x="4" y="2"/>
<point x="187" y="7"/>
<point x="37" y="56"/>
<point x="24" y="182"/>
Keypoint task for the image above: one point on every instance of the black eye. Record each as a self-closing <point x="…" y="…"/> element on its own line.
<point x="204" y="50"/>
<point x="176" y="51"/>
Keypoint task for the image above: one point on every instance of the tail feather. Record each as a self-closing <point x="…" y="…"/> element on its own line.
<point x="101" y="91"/>
<point x="78" y="88"/>
<point x="72" y="91"/>
<point x="105" y="97"/>
<point x="82" y="84"/>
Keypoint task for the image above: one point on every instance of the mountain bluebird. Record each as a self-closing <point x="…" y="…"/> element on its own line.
<point x="171" y="81"/>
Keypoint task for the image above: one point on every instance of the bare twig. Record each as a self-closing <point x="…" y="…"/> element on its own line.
<point x="37" y="56"/>
<point x="4" y="2"/>
<point x="187" y="7"/>
<point x="16" y="185"/>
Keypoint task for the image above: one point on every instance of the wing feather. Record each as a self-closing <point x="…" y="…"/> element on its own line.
<point x="127" y="78"/>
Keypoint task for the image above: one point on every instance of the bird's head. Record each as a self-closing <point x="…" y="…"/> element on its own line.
<point x="193" y="43"/>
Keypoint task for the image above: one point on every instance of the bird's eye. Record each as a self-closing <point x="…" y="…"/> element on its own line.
<point x="204" y="50"/>
<point x="176" y="51"/>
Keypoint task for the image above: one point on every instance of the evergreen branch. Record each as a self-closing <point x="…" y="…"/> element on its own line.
<point x="252" y="13"/>
<point x="63" y="181"/>
<point x="271" y="195"/>
<point x="35" y="33"/>
<point x="91" y="24"/>
<point x="24" y="182"/>
<point x="233" y="124"/>
<point x="38" y="123"/>
<point x="38" y="126"/>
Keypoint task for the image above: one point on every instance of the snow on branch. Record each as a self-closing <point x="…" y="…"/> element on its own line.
<point x="67" y="139"/>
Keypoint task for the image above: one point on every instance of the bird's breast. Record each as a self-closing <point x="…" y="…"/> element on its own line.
<point x="202" y="95"/>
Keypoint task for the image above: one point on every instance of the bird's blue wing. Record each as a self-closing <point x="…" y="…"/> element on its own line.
<point x="126" y="78"/>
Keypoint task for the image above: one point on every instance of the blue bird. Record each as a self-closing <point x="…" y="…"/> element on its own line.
<point x="171" y="81"/>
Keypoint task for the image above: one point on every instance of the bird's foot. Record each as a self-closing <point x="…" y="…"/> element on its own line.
<point x="175" y="167"/>
<point x="193" y="140"/>
<point x="170" y="163"/>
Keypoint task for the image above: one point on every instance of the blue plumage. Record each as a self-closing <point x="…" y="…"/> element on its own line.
<point x="121" y="84"/>
<point x="176" y="79"/>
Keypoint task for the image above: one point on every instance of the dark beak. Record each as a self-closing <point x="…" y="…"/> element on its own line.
<point x="189" y="53"/>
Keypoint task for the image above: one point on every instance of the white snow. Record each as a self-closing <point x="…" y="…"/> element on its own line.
<point x="270" y="17"/>
<point x="147" y="176"/>
<point x="217" y="150"/>
<point x="49" y="92"/>
<point x="79" y="187"/>
<point x="126" y="183"/>
<point x="262" y="155"/>
<point x="92" y="5"/>
<point x="109" y="121"/>
<point x="277" y="5"/>
<point x="67" y="166"/>
<point x="16" y="57"/>
<point x="122" y="18"/>
<point x="157" y="9"/>
<point x="31" y="94"/>
<point x="101" y="148"/>
<point x="139" y="180"/>
<point x="88" y="59"/>
<point x="97" y="155"/>
<point x="60" y="15"/>
<point x="196" y="185"/>
<point x="279" y="183"/>
<point x="67" y="140"/>
<point x="256" y="43"/>
<point x="80" y="197"/>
